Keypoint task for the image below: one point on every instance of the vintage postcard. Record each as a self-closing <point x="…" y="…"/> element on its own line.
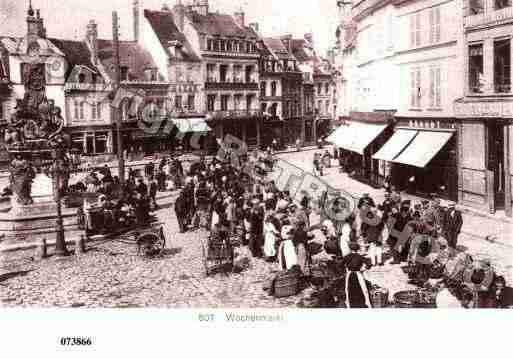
<point x="256" y="155"/>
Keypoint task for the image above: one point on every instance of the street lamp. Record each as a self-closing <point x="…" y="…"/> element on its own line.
<point x="57" y="170"/>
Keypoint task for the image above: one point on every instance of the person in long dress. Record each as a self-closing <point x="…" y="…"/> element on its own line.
<point x="270" y="234"/>
<point x="357" y="292"/>
<point x="287" y="255"/>
<point x="301" y="240"/>
<point x="345" y="239"/>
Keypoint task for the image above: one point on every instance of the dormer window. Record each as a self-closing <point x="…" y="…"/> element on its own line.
<point x="151" y="74"/>
<point x="81" y="78"/>
<point x="123" y="75"/>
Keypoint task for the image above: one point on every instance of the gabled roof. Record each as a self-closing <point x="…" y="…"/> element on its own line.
<point x="278" y="48"/>
<point x="302" y="51"/>
<point x="131" y="55"/>
<point x="220" y="25"/>
<point x="164" y="26"/>
<point x="76" y="53"/>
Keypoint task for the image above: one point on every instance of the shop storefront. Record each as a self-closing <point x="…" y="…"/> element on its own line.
<point x="422" y="160"/>
<point x="485" y="154"/>
<point x="273" y="128"/>
<point x="358" y="139"/>
<point x="91" y="141"/>
<point x="309" y="130"/>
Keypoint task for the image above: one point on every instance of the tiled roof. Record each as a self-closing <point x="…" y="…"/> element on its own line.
<point x="131" y="55"/>
<point x="75" y="52"/>
<point x="220" y="25"/>
<point x="165" y="28"/>
<point x="278" y="48"/>
<point x="301" y="50"/>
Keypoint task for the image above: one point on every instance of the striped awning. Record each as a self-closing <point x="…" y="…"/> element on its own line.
<point x="395" y="145"/>
<point x="356" y="136"/>
<point x="424" y="147"/>
<point x="192" y="125"/>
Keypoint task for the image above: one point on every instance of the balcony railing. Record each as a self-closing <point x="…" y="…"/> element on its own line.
<point x="76" y="86"/>
<point x="503" y="87"/>
<point x="488" y="16"/>
<point x="234" y="114"/>
<point x="252" y="86"/>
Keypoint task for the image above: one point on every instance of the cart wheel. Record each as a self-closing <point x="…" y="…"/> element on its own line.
<point x="204" y="259"/>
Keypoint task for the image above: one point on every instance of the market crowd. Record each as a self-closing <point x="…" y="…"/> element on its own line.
<point x="234" y="203"/>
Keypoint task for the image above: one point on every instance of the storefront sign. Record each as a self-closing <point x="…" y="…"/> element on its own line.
<point x="499" y="109"/>
<point x="184" y="88"/>
<point x="381" y="117"/>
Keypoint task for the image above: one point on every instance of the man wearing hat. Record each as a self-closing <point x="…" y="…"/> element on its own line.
<point x="453" y="221"/>
<point x="398" y="223"/>
<point x="366" y="199"/>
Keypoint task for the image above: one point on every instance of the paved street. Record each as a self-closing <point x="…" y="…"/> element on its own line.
<point x="474" y="227"/>
<point x="111" y="274"/>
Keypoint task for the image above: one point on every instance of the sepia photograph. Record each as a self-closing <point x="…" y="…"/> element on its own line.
<point x="257" y="155"/>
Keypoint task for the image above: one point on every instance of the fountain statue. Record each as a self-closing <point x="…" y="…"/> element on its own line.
<point x="39" y="153"/>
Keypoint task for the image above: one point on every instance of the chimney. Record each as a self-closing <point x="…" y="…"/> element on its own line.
<point x="287" y="41"/>
<point x="255" y="27"/>
<point x="179" y="15"/>
<point x="309" y="38"/>
<point x="201" y="7"/>
<point x="92" y="40"/>
<point x="239" y="18"/>
<point x="136" y="16"/>
<point x="173" y="46"/>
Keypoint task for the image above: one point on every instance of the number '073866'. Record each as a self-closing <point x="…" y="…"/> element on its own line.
<point x="75" y="341"/>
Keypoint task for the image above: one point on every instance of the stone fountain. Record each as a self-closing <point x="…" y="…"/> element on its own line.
<point x="37" y="151"/>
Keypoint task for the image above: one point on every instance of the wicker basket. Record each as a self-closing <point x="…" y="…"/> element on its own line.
<point x="219" y="251"/>
<point x="379" y="297"/>
<point x="406" y="299"/>
<point x="286" y="284"/>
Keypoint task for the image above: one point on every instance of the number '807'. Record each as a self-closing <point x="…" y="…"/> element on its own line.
<point x="76" y="341"/>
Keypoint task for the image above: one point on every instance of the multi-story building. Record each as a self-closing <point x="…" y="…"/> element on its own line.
<point x="398" y="61"/>
<point x="367" y="86"/>
<point x="280" y="93"/>
<point x="486" y="107"/>
<point x="65" y="67"/>
<point x="306" y="57"/>
<point x="324" y="86"/>
<point x="181" y="68"/>
<point x="428" y="59"/>
<point x="228" y="59"/>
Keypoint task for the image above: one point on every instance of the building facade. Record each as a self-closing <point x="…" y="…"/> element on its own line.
<point x="280" y="93"/>
<point x="486" y="107"/>
<point x="398" y="57"/>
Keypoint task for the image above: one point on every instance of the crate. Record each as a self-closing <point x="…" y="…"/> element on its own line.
<point x="286" y="284"/>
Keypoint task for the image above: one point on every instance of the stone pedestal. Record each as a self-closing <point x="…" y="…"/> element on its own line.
<point x="33" y="222"/>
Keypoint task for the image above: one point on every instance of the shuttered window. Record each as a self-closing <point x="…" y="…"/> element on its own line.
<point x="434" y="25"/>
<point x="415" y="88"/>
<point x="434" y="87"/>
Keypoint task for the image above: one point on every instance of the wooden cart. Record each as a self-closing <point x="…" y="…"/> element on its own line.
<point x="218" y="256"/>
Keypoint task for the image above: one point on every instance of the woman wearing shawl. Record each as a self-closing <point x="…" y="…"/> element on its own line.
<point x="357" y="293"/>
<point x="287" y="251"/>
<point x="270" y="233"/>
